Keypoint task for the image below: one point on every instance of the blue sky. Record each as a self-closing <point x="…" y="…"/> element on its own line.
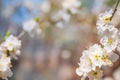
<point x="21" y="13"/>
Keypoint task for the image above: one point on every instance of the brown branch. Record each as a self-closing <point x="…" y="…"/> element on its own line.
<point x="115" y="9"/>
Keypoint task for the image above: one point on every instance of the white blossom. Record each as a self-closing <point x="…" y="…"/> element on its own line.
<point x="95" y="53"/>
<point x="5" y="74"/>
<point x="32" y="27"/>
<point x="5" y="65"/>
<point x="45" y="7"/>
<point x="60" y="24"/>
<point x="92" y="59"/>
<point x="107" y="30"/>
<point x="107" y="58"/>
<point x="99" y="56"/>
<point x="71" y="5"/>
<point x="109" y="43"/>
<point x="103" y="24"/>
<point x="109" y="38"/>
<point x="11" y="46"/>
<point x="85" y="64"/>
<point x="61" y="18"/>
<point x="95" y="75"/>
<point x="105" y="17"/>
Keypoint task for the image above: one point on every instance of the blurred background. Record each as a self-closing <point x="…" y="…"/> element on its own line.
<point x="68" y="27"/>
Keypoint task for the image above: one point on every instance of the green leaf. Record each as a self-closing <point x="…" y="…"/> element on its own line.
<point x="7" y="34"/>
<point x="37" y="19"/>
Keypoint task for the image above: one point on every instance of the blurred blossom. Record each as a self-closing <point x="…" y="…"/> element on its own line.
<point x="66" y="54"/>
<point x="62" y="18"/>
<point x="60" y="24"/>
<point x="63" y="30"/>
<point x="29" y="4"/>
<point x="32" y="27"/>
<point x="61" y="15"/>
<point x="45" y="6"/>
<point x="71" y="5"/>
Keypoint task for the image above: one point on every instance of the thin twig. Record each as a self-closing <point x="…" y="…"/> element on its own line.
<point x="21" y="34"/>
<point x="115" y="9"/>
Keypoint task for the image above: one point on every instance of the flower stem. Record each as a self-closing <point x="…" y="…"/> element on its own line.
<point x="115" y="9"/>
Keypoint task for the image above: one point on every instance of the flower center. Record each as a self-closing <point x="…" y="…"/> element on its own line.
<point x="110" y="41"/>
<point x="95" y="73"/>
<point x="107" y="19"/>
<point x="10" y="44"/>
<point x="104" y="58"/>
<point x="96" y="57"/>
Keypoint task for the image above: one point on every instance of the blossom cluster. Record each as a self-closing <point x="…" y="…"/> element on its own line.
<point x="61" y="13"/>
<point x="31" y="27"/>
<point x="71" y="5"/>
<point x="99" y="56"/>
<point x="9" y="49"/>
<point x="62" y="17"/>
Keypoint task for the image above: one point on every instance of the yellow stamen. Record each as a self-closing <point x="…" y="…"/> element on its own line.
<point x="102" y="46"/>
<point x="110" y="41"/>
<point x="104" y="57"/>
<point x="10" y="44"/>
<point x="96" y="57"/>
<point x="95" y="73"/>
<point x="107" y="19"/>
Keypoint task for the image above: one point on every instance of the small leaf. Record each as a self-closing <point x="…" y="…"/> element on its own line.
<point x="37" y="19"/>
<point x="7" y="34"/>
